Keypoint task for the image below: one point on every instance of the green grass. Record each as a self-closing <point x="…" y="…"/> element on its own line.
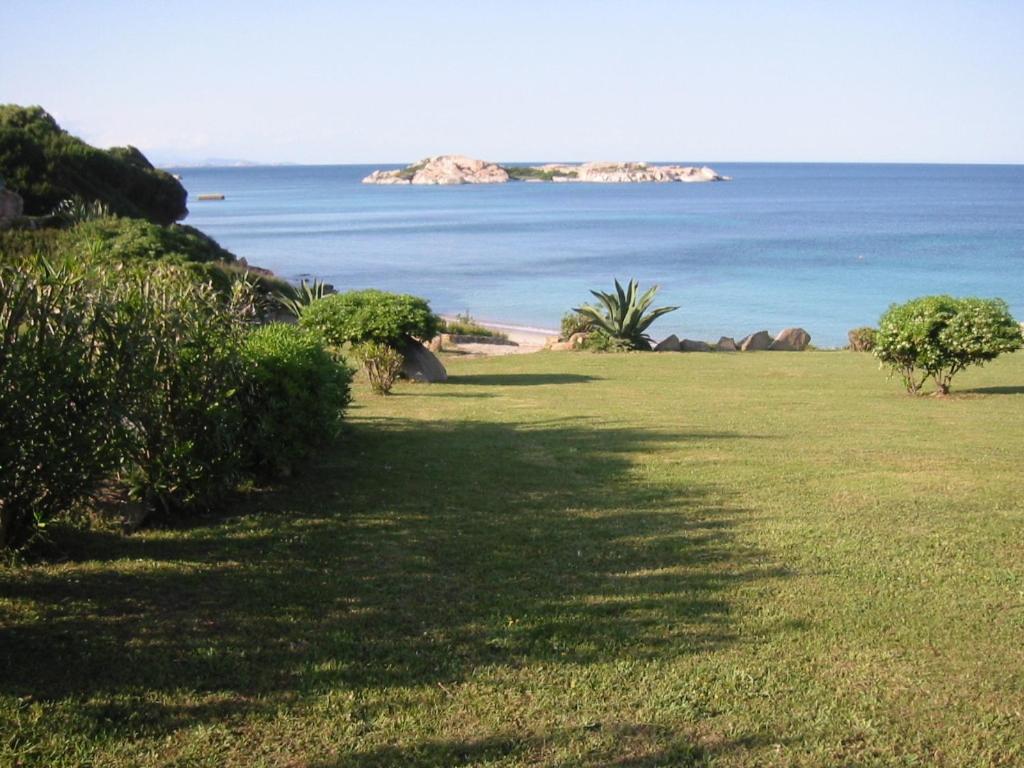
<point x="565" y="559"/>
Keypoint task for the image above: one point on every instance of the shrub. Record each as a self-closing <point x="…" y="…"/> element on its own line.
<point x="862" y="339"/>
<point x="575" y="322"/>
<point x="56" y="410"/>
<point x="360" y="316"/>
<point x="601" y="341"/>
<point x="382" y="363"/>
<point x="294" y="396"/>
<point x="938" y="336"/>
<point x="624" y="315"/>
<point x="174" y="347"/>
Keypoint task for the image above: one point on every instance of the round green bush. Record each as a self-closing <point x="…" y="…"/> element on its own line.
<point x="294" y="396"/>
<point x="936" y="337"/>
<point x="371" y="315"/>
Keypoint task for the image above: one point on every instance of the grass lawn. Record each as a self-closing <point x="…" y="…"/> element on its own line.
<point x="565" y="559"/>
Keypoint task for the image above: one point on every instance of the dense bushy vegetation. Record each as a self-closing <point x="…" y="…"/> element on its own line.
<point x="573" y="323"/>
<point x="55" y="395"/>
<point x="936" y="337"/>
<point x="46" y="165"/>
<point x="294" y="396"/>
<point x="355" y="317"/>
<point x="624" y="315"/>
<point x="142" y="374"/>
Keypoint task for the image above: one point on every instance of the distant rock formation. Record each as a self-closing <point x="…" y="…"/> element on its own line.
<point x="458" y="169"/>
<point x="443" y="169"/>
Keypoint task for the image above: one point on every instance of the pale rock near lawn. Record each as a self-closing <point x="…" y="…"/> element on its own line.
<point x="671" y="344"/>
<point x="755" y="342"/>
<point x="791" y="340"/>
<point x="420" y="364"/>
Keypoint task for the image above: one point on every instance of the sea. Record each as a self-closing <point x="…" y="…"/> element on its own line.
<point x="827" y="247"/>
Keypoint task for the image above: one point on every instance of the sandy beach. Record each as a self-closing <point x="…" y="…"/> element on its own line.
<point x="527" y="339"/>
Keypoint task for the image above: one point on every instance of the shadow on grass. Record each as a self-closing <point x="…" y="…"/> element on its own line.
<point x="522" y="379"/>
<point x="993" y="391"/>
<point x="614" y="745"/>
<point x="416" y="554"/>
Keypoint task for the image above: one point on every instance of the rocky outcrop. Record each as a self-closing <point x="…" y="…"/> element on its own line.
<point x="11" y="207"/>
<point x="791" y="340"/>
<point x="443" y="169"/>
<point x="420" y="364"/>
<point x="726" y="344"/>
<point x="756" y="342"/>
<point x="671" y="344"/>
<point x="459" y="169"/>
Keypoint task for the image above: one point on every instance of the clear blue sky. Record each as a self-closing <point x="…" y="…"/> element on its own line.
<point x="384" y="81"/>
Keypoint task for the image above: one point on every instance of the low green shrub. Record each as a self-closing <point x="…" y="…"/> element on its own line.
<point x="574" y="322"/>
<point x="601" y="341"/>
<point x="936" y="337"/>
<point x="465" y="325"/>
<point x="56" y="394"/>
<point x="294" y="396"/>
<point x="382" y="363"/>
<point x="862" y="339"/>
<point x="371" y="315"/>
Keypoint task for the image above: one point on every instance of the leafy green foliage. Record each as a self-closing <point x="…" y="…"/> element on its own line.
<point x="175" y="347"/>
<point x="574" y="322"/>
<point x="625" y="314"/>
<point x="125" y="239"/>
<point x="371" y="315"/>
<point x="294" y="396"/>
<point x="936" y="337"/>
<point x="56" y="406"/>
<point x="382" y="363"/>
<point x="45" y="165"/>
<point x="862" y="339"/>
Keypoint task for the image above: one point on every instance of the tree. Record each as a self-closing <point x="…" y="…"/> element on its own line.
<point x="936" y="337"/>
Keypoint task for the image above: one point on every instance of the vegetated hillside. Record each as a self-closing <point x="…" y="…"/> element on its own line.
<point x="45" y="165"/>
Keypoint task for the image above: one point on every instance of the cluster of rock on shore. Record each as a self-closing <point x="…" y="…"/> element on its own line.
<point x="787" y="340"/>
<point x="459" y="169"/>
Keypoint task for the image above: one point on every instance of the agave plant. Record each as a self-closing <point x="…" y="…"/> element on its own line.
<point x="304" y="295"/>
<point x="76" y="210"/>
<point x="624" y="314"/>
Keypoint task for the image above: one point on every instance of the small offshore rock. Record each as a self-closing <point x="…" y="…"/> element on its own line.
<point x="687" y="345"/>
<point x="756" y="342"/>
<point x="420" y="364"/>
<point x="726" y="344"/>
<point x="791" y="340"/>
<point x="671" y="344"/>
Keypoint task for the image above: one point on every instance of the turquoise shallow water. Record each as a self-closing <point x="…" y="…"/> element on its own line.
<point x="827" y="247"/>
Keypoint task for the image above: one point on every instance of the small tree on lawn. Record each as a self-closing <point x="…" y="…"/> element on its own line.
<point x="936" y="337"/>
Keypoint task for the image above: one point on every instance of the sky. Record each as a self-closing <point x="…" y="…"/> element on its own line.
<point x="394" y="81"/>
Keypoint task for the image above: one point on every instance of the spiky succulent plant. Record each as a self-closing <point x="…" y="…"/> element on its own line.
<point x="625" y="314"/>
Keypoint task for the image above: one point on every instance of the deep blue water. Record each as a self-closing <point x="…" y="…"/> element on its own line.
<point x="824" y="246"/>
